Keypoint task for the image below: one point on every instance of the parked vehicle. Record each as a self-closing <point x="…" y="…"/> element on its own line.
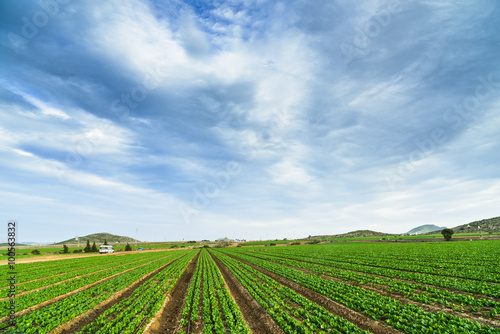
<point x="140" y="248"/>
<point x="106" y="249"/>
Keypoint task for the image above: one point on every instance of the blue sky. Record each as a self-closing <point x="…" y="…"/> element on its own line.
<point x="169" y="120"/>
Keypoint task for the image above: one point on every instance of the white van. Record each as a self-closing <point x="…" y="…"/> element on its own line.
<point x="106" y="249"/>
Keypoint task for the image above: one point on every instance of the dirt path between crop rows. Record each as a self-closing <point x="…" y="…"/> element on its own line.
<point x="76" y="324"/>
<point x="170" y="316"/>
<point x="403" y="299"/>
<point x="255" y="316"/>
<point x="475" y="295"/>
<point x="360" y="320"/>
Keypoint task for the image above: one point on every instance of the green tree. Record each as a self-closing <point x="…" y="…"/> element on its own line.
<point x="65" y="249"/>
<point x="94" y="248"/>
<point x="105" y="241"/>
<point x="128" y="248"/>
<point x="447" y="233"/>
<point x="87" y="248"/>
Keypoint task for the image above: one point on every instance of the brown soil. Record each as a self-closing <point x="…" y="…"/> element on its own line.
<point x="170" y="317"/>
<point x="86" y="318"/>
<point x="256" y="317"/>
<point x="331" y="306"/>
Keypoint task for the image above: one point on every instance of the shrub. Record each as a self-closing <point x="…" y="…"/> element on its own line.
<point x="447" y="233"/>
<point x="225" y="242"/>
<point x="35" y="252"/>
<point x="65" y="249"/>
<point x="128" y="248"/>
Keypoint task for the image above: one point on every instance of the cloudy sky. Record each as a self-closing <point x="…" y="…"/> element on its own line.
<point x="256" y="119"/>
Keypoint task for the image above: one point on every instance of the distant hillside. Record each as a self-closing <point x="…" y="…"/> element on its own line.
<point x="487" y="225"/>
<point x="425" y="229"/>
<point x="99" y="239"/>
<point x="357" y="234"/>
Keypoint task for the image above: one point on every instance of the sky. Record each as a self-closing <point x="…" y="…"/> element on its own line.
<point x="247" y="119"/>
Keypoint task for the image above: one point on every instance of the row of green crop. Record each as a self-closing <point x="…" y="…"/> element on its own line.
<point x="468" y="268"/>
<point x="193" y="297"/>
<point x="408" y="318"/>
<point x="132" y="314"/>
<point x="218" y="292"/>
<point x="481" y="254"/>
<point x="89" y="269"/>
<point x="417" y="292"/>
<point x="472" y="286"/>
<point x="52" y="316"/>
<point x="290" y="310"/>
<point x="219" y="311"/>
<point x="37" y="297"/>
<point x="26" y="272"/>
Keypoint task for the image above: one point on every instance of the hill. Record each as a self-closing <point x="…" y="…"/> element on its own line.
<point x="357" y="234"/>
<point x="487" y="225"/>
<point x="422" y="229"/>
<point x="99" y="239"/>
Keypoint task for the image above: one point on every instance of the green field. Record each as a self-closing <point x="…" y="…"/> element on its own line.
<point x="347" y="287"/>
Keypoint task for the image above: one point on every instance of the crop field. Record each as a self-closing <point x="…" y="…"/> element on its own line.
<point x="338" y="287"/>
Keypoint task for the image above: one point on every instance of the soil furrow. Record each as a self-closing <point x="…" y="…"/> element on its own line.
<point x="170" y="317"/>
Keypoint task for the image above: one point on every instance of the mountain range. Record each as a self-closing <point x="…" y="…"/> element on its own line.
<point x="423" y="229"/>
